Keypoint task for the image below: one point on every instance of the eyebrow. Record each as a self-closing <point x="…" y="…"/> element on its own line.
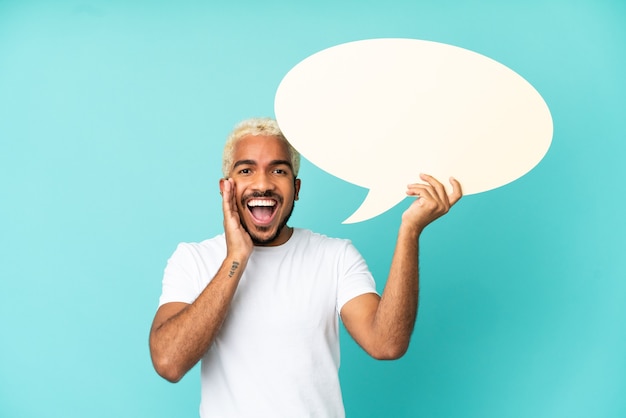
<point x="282" y="162"/>
<point x="272" y="163"/>
<point x="244" y="162"/>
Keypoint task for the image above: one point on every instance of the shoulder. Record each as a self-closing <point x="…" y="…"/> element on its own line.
<point x="316" y="243"/>
<point x="207" y="248"/>
<point x="308" y="236"/>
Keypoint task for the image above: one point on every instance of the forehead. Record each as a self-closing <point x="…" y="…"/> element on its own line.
<point x="260" y="148"/>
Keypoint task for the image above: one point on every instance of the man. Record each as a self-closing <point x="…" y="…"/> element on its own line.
<point x="259" y="304"/>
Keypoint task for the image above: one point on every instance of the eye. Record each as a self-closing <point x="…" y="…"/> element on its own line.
<point x="245" y="171"/>
<point x="282" y="171"/>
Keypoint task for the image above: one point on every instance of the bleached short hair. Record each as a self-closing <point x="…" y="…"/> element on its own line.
<point x="256" y="127"/>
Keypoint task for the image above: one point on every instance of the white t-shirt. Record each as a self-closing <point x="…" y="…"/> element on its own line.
<point x="277" y="353"/>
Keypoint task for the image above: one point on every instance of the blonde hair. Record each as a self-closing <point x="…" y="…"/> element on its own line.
<point x="256" y="127"/>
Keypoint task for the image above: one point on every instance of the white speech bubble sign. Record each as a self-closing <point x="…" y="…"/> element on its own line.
<point x="378" y="112"/>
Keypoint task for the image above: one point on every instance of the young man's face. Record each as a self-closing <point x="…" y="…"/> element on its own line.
<point x="265" y="188"/>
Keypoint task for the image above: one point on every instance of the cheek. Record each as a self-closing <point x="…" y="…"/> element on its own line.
<point x="291" y="200"/>
<point x="288" y="193"/>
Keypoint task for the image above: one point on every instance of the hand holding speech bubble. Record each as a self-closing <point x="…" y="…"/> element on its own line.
<point x="379" y="112"/>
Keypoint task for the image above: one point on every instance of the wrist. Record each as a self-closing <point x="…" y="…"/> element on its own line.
<point x="238" y="256"/>
<point x="410" y="231"/>
<point x="234" y="264"/>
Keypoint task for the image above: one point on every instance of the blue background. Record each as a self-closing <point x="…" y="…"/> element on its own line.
<point x="112" y="118"/>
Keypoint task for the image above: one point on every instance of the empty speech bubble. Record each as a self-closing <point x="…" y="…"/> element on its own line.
<point x="378" y="112"/>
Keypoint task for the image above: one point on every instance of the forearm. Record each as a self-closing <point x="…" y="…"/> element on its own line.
<point x="395" y="317"/>
<point x="383" y="326"/>
<point x="179" y="338"/>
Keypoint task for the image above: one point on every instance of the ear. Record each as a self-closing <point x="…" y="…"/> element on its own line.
<point x="296" y="184"/>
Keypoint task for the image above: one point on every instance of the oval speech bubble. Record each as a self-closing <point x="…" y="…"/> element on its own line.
<point x="378" y="112"/>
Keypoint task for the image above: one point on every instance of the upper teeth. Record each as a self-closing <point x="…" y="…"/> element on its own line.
<point x="261" y="202"/>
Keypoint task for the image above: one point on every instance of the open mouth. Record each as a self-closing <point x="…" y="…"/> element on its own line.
<point x="262" y="209"/>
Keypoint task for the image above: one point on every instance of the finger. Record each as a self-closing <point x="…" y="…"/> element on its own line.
<point x="457" y="191"/>
<point x="439" y="188"/>
<point x="426" y="192"/>
<point x="425" y="195"/>
<point x="415" y="188"/>
<point x="227" y="195"/>
<point x="418" y="189"/>
<point x="233" y="194"/>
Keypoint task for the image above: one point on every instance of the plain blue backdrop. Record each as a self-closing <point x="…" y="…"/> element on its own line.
<point x="112" y="118"/>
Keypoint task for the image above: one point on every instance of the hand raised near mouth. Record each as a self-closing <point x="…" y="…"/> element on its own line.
<point x="238" y="241"/>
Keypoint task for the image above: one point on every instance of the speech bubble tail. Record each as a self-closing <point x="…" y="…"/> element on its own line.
<point x="375" y="203"/>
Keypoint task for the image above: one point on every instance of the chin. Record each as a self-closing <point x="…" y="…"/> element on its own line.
<point x="264" y="239"/>
<point x="262" y="235"/>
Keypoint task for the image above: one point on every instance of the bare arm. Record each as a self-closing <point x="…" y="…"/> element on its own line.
<point x="181" y="333"/>
<point x="383" y="326"/>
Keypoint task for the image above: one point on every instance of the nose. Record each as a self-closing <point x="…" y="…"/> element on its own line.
<point x="263" y="182"/>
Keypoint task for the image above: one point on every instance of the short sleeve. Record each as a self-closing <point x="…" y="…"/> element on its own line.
<point x="180" y="278"/>
<point x="356" y="278"/>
